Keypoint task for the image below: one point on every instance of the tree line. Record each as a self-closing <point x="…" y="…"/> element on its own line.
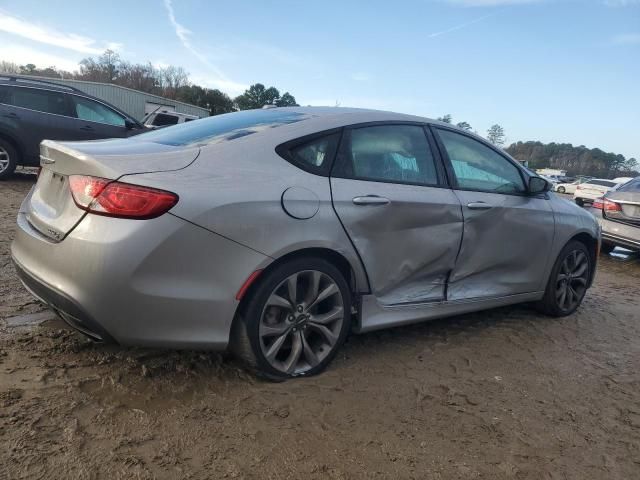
<point x="563" y="156"/>
<point x="578" y="160"/>
<point x="168" y="81"/>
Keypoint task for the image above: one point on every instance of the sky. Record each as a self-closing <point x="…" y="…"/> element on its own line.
<point x="548" y="70"/>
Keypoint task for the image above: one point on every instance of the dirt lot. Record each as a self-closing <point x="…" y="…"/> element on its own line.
<point x="501" y="394"/>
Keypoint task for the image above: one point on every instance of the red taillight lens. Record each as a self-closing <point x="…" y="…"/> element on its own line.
<point x="609" y="206"/>
<point x="598" y="203"/>
<point x="116" y="199"/>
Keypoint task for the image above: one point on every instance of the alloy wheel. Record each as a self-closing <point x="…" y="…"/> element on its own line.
<point x="571" y="282"/>
<point x="4" y="159"/>
<point x="301" y="322"/>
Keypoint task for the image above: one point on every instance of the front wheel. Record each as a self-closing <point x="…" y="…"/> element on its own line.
<point x="8" y="159"/>
<point x="568" y="281"/>
<point x="561" y="190"/>
<point x="580" y="202"/>
<point x="296" y="320"/>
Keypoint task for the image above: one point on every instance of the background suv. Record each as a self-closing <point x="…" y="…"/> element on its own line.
<point x="34" y="110"/>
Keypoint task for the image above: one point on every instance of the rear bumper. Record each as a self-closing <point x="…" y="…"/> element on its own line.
<point x="65" y="307"/>
<point x="158" y="283"/>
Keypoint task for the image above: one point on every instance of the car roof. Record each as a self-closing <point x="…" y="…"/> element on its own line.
<point x="16" y="80"/>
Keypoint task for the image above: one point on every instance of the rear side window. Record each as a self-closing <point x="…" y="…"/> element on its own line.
<point x="96" y="112"/>
<point x="162" y="119"/>
<point x="313" y="155"/>
<point x="223" y="128"/>
<point x="478" y="167"/>
<point x="388" y="153"/>
<point x="46" y="101"/>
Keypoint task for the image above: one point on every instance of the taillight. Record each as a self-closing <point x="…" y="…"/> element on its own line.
<point x="598" y="203"/>
<point x="117" y="199"/>
<point x="609" y="206"/>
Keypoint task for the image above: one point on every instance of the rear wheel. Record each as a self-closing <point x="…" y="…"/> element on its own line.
<point x="561" y="190"/>
<point x="295" y="321"/>
<point x="568" y="281"/>
<point x="8" y="159"/>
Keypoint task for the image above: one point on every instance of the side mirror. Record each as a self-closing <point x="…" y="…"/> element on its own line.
<point x="130" y="125"/>
<point x="538" y="185"/>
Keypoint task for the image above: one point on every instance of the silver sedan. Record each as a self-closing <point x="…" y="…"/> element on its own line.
<point x="277" y="232"/>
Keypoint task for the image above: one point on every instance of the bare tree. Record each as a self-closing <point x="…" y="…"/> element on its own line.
<point x="495" y="135"/>
<point x="9" y="67"/>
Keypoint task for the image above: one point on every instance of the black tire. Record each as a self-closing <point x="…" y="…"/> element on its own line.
<point x="550" y="303"/>
<point x="245" y="342"/>
<point x="607" y="247"/>
<point x="7" y="150"/>
<point x="561" y="190"/>
<point x="580" y="202"/>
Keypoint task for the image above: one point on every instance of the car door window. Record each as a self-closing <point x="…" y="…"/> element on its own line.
<point x="162" y="119"/>
<point x="96" y="112"/>
<point x="478" y="167"/>
<point x="389" y="153"/>
<point x="46" y="101"/>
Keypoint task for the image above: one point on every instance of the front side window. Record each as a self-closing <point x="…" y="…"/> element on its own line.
<point x="46" y="101"/>
<point x="478" y="167"/>
<point x="162" y="119"/>
<point x="96" y="112"/>
<point x="389" y="153"/>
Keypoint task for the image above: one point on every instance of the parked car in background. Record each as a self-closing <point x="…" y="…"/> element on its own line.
<point x="551" y="179"/>
<point x="165" y="118"/>
<point x="35" y="110"/>
<point x="592" y="189"/>
<point x="570" y="186"/>
<point x="618" y="213"/>
<point x="279" y="231"/>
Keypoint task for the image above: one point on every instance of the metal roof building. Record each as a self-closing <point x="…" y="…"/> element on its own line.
<point x="135" y="103"/>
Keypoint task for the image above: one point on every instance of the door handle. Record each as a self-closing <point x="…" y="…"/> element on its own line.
<point x="479" y="206"/>
<point x="11" y="115"/>
<point x="87" y="128"/>
<point x="371" y="200"/>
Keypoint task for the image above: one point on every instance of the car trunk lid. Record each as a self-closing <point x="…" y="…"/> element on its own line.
<point x="50" y="207"/>
<point x="629" y="203"/>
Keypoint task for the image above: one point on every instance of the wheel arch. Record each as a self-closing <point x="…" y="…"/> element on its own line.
<point x="334" y="257"/>
<point x="592" y="245"/>
<point x="16" y="144"/>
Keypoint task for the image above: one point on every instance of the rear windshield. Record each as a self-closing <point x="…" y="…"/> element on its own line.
<point x="222" y="128"/>
<point x="632" y="186"/>
<point x="602" y="183"/>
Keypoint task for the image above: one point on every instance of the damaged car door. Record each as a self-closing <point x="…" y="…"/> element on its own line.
<point x="508" y="233"/>
<point x="390" y="194"/>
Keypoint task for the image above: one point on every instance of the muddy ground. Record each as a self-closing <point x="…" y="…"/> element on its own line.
<point x="500" y="394"/>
